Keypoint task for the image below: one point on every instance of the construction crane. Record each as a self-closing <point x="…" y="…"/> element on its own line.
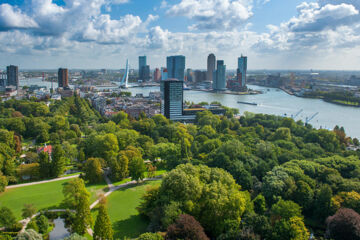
<point x="308" y="119"/>
<point x="297" y="114"/>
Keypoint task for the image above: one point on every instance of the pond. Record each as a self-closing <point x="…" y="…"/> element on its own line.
<point x="59" y="231"/>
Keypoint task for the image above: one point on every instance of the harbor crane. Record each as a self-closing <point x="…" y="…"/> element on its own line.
<point x="308" y="119"/>
<point x="297" y="114"/>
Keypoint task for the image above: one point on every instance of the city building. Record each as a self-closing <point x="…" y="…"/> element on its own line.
<point x="142" y="63"/>
<point x="144" y="70"/>
<point x="12" y="73"/>
<point x="171" y="103"/>
<point x="164" y="74"/>
<point x="189" y="75"/>
<point x="63" y="78"/>
<point x="176" y="67"/>
<point x="200" y="76"/>
<point x="219" y="77"/>
<point x="157" y="75"/>
<point x="242" y="69"/>
<point x="3" y="80"/>
<point x="211" y="61"/>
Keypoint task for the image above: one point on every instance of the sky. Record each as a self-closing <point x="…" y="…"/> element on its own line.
<point x="95" y="34"/>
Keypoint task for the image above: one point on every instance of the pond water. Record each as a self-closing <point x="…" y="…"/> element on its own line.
<point x="59" y="231"/>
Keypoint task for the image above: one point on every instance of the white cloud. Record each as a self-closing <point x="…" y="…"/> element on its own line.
<point x="11" y="18"/>
<point x="213" y="14"/>
<point x="120" y="1"/>
<point x="318" y="26"/>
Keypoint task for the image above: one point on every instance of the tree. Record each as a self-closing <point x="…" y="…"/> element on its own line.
<point x="322" y="204"/>
<point x="3" y="182"/>
<point x="150" y="236"/>
<point x="209" y="194"/>
<point x="58" y="161"/>
<point x="44" y="165"/>
<point x="259" y="204"/>
<point x="292" y="229"/>
<point x="186" y="227"/>
<point x="43" y="223"/>
<point x="344" y="225"/>
<point x="83" y="218"/>
<point x="102" y="228"/>
<point x="119" y="167"/>
<point x="7" y="218"/>
<point x="93" y="171"/>
<point x="75" y="236"/>
<point x="137" y="169"/>
<point x="285" y="210"/>
<point x="73" y="191"/>
<point x="29" y="234"/>
<point x="28" y="210"/>
<point x="32" y="225"/>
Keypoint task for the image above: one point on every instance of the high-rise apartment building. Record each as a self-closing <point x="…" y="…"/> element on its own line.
<point x="12" y="73"/>
<point x="176" y="67"/>
<point x="242" y="69"/>
<point x="219" y="76"/>
<point x="211" y="61"/>
<point x="63" y="78"/>
<point x="172" y="98"/>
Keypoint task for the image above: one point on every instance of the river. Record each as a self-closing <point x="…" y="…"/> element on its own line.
<point x="277" y="102"/>
<point x="273" y="101"/>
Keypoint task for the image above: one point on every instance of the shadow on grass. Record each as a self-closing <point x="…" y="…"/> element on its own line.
<point x="131" y="227"/>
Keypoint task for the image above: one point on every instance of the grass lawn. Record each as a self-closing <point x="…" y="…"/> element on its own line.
<point x="122" y="210"/>
<point x="43" y="196"/>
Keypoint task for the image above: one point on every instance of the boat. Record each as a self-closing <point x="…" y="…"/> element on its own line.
<point x="248" y="103"/>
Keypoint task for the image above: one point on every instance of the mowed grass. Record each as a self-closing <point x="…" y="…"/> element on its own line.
<point x="122" y="210"/>
<point x="43" y="196"/>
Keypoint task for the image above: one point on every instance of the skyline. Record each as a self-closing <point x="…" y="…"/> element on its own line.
<point x="95" y="34"/>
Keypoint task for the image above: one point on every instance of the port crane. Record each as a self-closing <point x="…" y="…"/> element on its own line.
<point x="308" y="119"/>
<point x="297" y="114"/>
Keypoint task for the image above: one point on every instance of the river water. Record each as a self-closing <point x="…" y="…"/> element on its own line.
<point x="277" y="102"/>
<point x="273" y="101"/>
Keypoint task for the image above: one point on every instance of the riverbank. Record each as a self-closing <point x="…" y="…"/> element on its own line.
<point x="229" y="92"/>
<point x="333" y="101"/>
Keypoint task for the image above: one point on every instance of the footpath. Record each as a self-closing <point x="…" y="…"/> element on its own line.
<point x="111" y="187"/>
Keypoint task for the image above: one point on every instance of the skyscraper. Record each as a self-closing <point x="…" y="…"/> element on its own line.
<point x="211" y="61"/>
<point x="176" y="67"/>
<point x="242" y="69"/>
<point x="142" y="64"/>
<point x="63" y="78"/>
<point x="12" y="73"/>
<point x="172" y="98"/>
<point x="219" y="76"/>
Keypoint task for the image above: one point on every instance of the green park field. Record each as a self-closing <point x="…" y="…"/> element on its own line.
<point x="122" y="210"/>
<point x="43" y="196"/>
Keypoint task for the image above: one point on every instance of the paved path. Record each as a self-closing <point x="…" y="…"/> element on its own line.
<point x="111" y="187"/>
<point x="41" y="182"/>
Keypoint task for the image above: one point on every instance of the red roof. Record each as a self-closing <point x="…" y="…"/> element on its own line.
<point x="46" y="148"/>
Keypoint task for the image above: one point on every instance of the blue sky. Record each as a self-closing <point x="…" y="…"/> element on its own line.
<point x="274" y="34"/>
